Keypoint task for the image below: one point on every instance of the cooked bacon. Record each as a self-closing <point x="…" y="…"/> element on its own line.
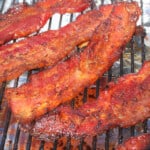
<point x="140" y="142"/>
<point x="49" y="47"/>
<point x="48" y="89"/>
<point x="22" y="19"/>
<point x="123" y="104"/>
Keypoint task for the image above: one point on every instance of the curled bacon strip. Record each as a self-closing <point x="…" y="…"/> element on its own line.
<point x="123" y="104"/>
<point x="48" y="89"/>
<point x="49" y="47"/>
<point x="22" y="20"/>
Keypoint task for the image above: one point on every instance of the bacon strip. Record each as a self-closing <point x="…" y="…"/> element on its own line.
<point x="123" y="104"/>
<point x="49" y="47"/>
<point x="140" y="142"/>
<point x="48" y="89"/>
<point x="22" y="20"/>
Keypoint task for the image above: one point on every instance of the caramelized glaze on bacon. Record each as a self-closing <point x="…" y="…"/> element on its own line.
<point x="49" y="47"/>
<point x="22" y="20"/>
<point x="123" y="104"/>
<point x="48" y="89"/>
<point x="140" y="142"/>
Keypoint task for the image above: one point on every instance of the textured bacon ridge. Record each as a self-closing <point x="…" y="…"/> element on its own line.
<point x="22" y="19"/>
<point x="140" y="142"/>
<point x="49" y="47"/>
<point x="48" y="89"/>
<point x="123" y="104"/>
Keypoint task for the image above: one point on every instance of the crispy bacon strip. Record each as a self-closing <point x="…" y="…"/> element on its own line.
<point x="49" y="47"/>
<point x="22" y="20"/>
<point x="123" y="104"/>
<point x="48" y="89"/>
<point x="140" y="142"/>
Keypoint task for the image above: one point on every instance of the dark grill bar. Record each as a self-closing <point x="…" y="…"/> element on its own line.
<point x="12" y="138"/>
<point x="2" y="89"/>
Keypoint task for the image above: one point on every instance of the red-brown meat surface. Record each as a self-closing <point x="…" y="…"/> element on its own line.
<point x="123" y="104"/>
<point x="141" y="142"/>
<point x="50" y="88"/>
<point x="49" y="47"/>
<point x="22" y="19"/>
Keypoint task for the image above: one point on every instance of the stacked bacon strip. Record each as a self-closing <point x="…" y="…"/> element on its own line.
<point x="22" y="20"/>
<point x="123" y="104"/>
<point x="141" y="142"/>
<point x="48" y="89"/>
<point x="49" y="47"/>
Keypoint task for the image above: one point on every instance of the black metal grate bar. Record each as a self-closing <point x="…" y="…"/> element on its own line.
<point x="120" y="135"/>
<point x="81" y="144"/>
<point x="145" y="126"/>
<point x="2" y="6"/>
<point x="143" y="54"/>
<point x="108" y="132"/>
<point x="42" y="145"/>
<point x="71" y="17"/>
<point x="132" y="129"/>
<point x="97" y="87"/>
<point x="50" y="22"/>
<point x="102" y="2"/>
<point x="94" y="143"/>
<point x="29" y="141"/>
<point x="121" y="65"/>
<point x="141" y="2"/>
<point x="68" y="144"/>
<point x="55" y="145"/>
<point x="107" y="141"/>
<point x="16" y="138"/>
<point x="132" y="56"/>
<point x="85" y="95"/>
<point x="13" y="2"/>
<point x="2" y="89"/>
<point x="109" y="75"/>
<point x="120" y="130"/>
<point x="17" y="130"/>
<point x="93" y="5"/>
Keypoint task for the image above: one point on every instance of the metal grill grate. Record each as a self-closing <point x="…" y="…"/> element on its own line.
<point x="12" y="138"/>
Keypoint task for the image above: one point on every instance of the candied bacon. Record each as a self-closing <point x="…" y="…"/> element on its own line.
<point x="140" y="142"/>
<point x="22" y="19"/>
<point x="49" y="47"/>
<point x="48" y="89"/>
<point x="123" y="104"/>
